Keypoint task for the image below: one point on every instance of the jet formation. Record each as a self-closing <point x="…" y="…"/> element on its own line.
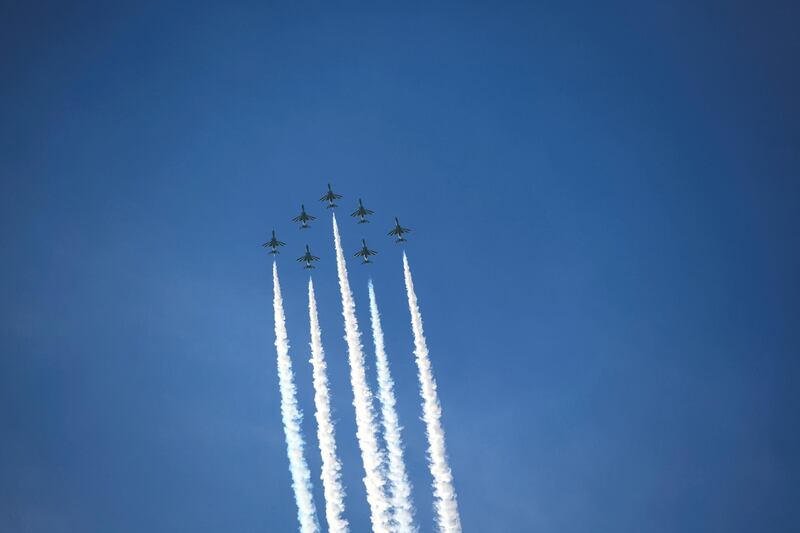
<point x="361" y="213"/>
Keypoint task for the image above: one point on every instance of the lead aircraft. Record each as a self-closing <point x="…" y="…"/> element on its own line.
<point x="329" y="197"/>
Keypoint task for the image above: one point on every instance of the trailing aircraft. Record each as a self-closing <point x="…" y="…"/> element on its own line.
<point x="303" y="218"/>
<point x="364" y="253"/>
<point x="398" y="231"/>
<point x="362" y="212"/>
<point x="273" y="244"/>
<point x="308" y="258"/>
<point x="329" y="197"/>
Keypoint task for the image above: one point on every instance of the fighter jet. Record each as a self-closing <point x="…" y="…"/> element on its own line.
<point x="273" y="244"/>
<point x="398" y="231"/>
<point x="362" y="212"/>
<point x="308" y="258"/>
<point x="364" y="253"/>
<point x="329" y="197"/>
<point x="303" y="218"/>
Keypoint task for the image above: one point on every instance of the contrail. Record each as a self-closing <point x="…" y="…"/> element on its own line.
<point x="443" y="490"/>
<point x="374" y="480"/>
<point x="401" y="487"/>
<point x="331" y="468"/>
<point x="292" y="418"/>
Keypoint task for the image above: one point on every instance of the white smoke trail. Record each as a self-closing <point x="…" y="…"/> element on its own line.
<point x="331" y="468"/>
<point x="292" y="418"/>
<point x="400" y="485"/>
<point x="443" y="490"/>
<point x="375" y="479"/>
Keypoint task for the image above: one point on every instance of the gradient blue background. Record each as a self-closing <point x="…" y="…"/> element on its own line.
<point x="605" y="250"/>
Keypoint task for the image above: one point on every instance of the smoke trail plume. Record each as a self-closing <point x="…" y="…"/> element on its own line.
<point x="331" y="480"/>
<point x="292" y="418"/>
<point x="443" y="490"/>
<point x="374" y="480"/>
<point x="400" y="485"/>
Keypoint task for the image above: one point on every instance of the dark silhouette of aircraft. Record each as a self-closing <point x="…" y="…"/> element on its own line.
<point x="307" y="258"/>
<point x="303" y="218"/>
<point x="362" y="212"/>
<point x="273" y="244"/>
<point x="398" y="231"/>
<point x="364" y="253"/>
<point x="329" y="197"/>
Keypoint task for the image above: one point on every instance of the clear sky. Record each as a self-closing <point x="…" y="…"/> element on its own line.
<point x="603" y="197"/>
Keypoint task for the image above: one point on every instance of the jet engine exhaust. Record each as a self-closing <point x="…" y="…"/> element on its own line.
<point x="331" y="467"/>
<point x="400" y="485"/>
<point x="366" y="430"/>
<point x="443" y="490"/>
<point x="292" y="418"/>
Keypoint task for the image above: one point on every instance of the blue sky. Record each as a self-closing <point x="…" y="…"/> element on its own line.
<point x="603" y="200"/>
